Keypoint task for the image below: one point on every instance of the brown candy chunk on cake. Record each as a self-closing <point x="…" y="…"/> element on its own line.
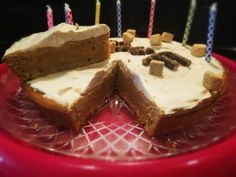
<point x="167" y="37"/>
<point x="112" y="46"/>
<point x="128" y="37"/>
<point x="212" y="81"/>
<point x="156" y="68"/>
<point x="155" y="39"/>
<point x="132" y="31"/>
<point x="150" y="51"/>
<point x="146" y="61"/>
<point x="198" y="50"/>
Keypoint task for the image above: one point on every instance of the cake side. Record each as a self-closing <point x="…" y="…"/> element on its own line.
<point x="43" y="59"/>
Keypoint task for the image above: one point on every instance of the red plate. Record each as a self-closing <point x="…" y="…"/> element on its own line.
<point x="113" y="143"/>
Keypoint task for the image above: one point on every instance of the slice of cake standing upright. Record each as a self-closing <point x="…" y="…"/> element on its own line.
<point x="60" y="48"/>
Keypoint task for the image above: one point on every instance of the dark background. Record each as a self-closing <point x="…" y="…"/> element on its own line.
<point x="23" y="17"/>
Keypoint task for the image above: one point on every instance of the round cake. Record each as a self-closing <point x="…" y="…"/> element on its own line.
<point x="166" y="85"/>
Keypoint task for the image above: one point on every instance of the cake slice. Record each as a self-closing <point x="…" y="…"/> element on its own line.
<point x="61" y="48"/>
<point x="65" y="71"/>
<point x="69" y="97"/>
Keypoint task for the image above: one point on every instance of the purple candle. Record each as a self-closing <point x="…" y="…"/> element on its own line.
<point x="119" y="23"/>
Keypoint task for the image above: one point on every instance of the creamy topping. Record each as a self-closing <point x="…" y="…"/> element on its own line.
<point x="181" y="89"/>
<point x="57" y="36"/>
<point x="66" y="87"/>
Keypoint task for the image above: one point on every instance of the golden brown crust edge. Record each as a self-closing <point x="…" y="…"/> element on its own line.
<point x="32" y="64"/>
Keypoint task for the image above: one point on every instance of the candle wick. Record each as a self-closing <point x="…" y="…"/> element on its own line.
<point x="67" y="6"/>
<point x="49" y="8"/>
<point x="214" y="6"/>
<point x="193" y="3"/>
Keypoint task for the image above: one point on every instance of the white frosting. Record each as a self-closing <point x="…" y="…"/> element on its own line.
<point x="66" y="87"/>
<point x="181" y="89"/>
<point x="57" y="36"/>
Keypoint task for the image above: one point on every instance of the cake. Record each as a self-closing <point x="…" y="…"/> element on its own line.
<point x="165" y="86"/>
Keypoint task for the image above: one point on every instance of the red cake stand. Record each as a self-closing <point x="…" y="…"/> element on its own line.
<point x="30" y="146"/>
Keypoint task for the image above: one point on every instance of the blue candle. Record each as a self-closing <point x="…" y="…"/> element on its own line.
<point x="118" y="11"/>
<point x="211" y="29"/>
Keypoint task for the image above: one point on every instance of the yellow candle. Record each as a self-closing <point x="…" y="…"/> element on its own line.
<point x="97" y="13"/>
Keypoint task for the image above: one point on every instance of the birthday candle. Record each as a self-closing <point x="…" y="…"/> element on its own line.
<point x="68" y="14"/>
<point x="49" y="17"/>
<point x="211" y="29"/>
<point x="97" y="13"/>
<point x="151" y="17"/>
<point x="118" y="11"/>
<point x="191" y="14"/>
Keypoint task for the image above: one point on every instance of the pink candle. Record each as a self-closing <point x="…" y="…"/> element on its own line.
<point x="49" y="17"/>
<point x="68" y="14"/>
<point x="151" y="18"/>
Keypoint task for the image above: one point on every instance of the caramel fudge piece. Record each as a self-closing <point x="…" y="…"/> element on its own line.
<point x="112" y="46"/>
<point x="167" y="37"/>
<point x="198" y="50"/>
<point x="212" y="81"/>
<point x="128" y="37"/>
<point x="132" y="31"/>
<point x="155" y="39"/>
<point x="156" y="68"/>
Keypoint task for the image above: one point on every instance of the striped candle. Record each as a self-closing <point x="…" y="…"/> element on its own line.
<point x="211" y="29"/>
<point x="49" y="16"/>
<point x="68" y="14"/>
<point x="97" y="12"/>
<point x="119" y="24"/>
<point x="151" y="17"/>
<point x="191" y="14"/>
